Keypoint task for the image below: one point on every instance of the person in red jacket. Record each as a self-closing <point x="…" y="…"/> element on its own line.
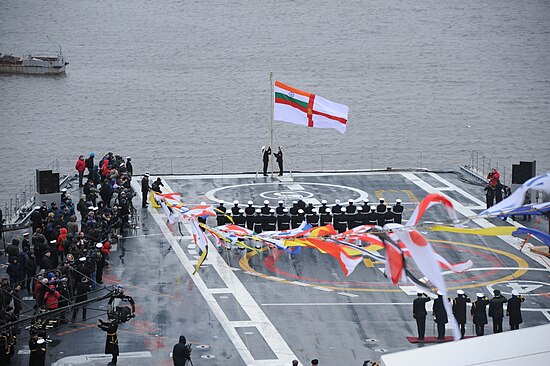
<point x="105" y="168"/>
<point x="52" y="298"/>
<point x="80" y="168"/>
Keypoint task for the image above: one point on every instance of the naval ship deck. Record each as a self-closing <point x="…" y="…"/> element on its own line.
<point x="245" y="309"/>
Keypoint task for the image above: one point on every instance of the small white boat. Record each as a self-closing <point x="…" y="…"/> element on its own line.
<point x="30" y="64"/>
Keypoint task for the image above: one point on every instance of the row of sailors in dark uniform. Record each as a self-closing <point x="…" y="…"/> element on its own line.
<point x="280" y="218"/>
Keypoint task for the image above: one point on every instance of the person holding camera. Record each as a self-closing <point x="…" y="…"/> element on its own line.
<point x="181" y="352"/>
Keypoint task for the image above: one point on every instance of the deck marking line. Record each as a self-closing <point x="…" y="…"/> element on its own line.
<point x="258" y="318"/>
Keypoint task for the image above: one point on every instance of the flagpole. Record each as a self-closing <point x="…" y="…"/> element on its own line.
<point x="272" y="116"/>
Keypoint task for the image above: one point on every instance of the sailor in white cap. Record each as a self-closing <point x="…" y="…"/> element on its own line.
<point x="479" y="313"/>
<point x="397" y="211"/>
<point x="258" y="221"/>
<point x="459" y="310"/>
<point x="388" y="216"/>
<point x="280" y="207"/>
<point x="265" y="158"/>
<point x="283" y="220"/>
<point x="366" y="205"/>
<point x="265" y="210"/>
<point x="323" y="207"/>
<point x="514" y="310"/>
<point x="235" y="209"/>
<point x="249" y="215"/>
<point x="420" y="313"/>
<point x="145" y="187"/>
<point x="372" y="216"/>
<point x="381" y="211"/>
<point x="294" y="209"/>
<point x="440" y="315"/>
<point x="238" y="218"/>
<point x="341" y="220"/>
<point x="270" y="222"/>
<point x="296" y="221"/>
<point x="312" y="217"/>
<point x="350" y="208"/>
<point x="336" y="212"/>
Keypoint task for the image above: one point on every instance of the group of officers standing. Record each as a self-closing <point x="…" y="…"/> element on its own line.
<point x="342" y="217"/>
<point x="478" y="312"/>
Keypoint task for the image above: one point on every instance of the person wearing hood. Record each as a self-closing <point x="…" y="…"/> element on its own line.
<point x="129" y="166"/>
<point x="180" y="353"/>
<point x="62" y="244"/>
<point x="90" y="164"/>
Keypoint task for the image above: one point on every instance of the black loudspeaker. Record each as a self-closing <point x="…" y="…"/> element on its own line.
<point x="47" y="182"/>
<point x="523" y="171"/>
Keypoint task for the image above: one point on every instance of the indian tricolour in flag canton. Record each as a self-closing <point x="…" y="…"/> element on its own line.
<point x="303" y="108"/>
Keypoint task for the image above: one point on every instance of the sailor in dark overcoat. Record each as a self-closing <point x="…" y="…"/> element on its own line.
<point x="479" y="313"/>
<point x="496" y="310"/>
<point x="440" y="315"/>
<point x="514" y="310"/>
<point x="111" y="342"/>
<point x="459" y="310"/>
<point x="419" y="313"/>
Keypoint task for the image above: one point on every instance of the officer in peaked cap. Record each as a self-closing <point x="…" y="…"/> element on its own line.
<point x="235" y="209"/>
<point x="496" y="310"/>
<point x="249" y="212"/>
<point x="514" y="310"/>
<point x="420" y="313"/>
<point x="397" y="211"/>
<point x="479" y="313"/>
<point x="459" y="310"/>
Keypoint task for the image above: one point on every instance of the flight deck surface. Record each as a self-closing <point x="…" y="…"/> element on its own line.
<point x="251" y="308"/>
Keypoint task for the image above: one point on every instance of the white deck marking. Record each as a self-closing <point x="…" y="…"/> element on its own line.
<point x="323" y="289"/>
<point x="546" y="314"/>
<point x="257" y="317"/>
<point x="347" y="294"/>
<point x="469" y="213"/>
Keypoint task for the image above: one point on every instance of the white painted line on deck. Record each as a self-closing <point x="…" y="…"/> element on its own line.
<point x="323" y="289"/>
<point x="192" y="251"/>
<point x="347" y="294"/>
<point x="278" y="345"/>
<point x="546" y="314"/>
<point x="338" y="304"/>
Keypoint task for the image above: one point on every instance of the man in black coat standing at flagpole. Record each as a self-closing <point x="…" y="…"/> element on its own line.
<point x="265" y="157"/>
<point x="279" y="157"/>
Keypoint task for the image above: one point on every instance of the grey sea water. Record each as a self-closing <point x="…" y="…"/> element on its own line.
<point x="183" y="86"/>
